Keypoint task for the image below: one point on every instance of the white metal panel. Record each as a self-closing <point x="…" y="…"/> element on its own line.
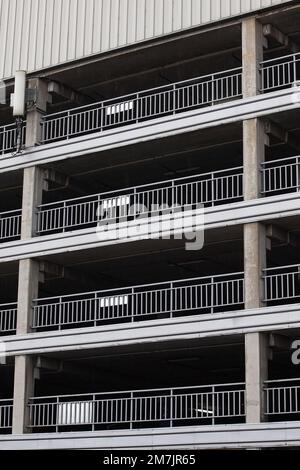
<point x="36" y="34"/>
<point x="81" y="412"/>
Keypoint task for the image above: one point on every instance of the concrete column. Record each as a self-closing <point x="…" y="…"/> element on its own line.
<point x="254" y="139"/>
<point x="23" y="390"/>
<point x="29" y="275"/>
<point x="35" y="113"/>
<point x="254" y="263"/>
<point x="256" y="359"/>
<point x="252" y="53"/>
<point x="33" y="185"/>
<point x="254" y="233"/>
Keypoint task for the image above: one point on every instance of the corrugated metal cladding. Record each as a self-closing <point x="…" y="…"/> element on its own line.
<point x="36" y="34"/>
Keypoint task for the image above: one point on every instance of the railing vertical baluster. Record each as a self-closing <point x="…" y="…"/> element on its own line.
<point x="213" y="405"/>
<point x="131" y="409"/>
<point x="138" y="107"/>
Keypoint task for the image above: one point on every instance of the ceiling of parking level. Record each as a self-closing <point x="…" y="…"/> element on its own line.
<point x="155" y="365"/>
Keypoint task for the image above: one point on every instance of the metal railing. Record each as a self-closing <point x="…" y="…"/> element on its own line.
<point x="208" y="189"/>
<point x="10" y="225"/>
<point x="282" y="397"/>
<point x="140" y="408"/>
<point x="280" y="72"/>
<point x="282" y="175"/>
<point x="282" y="283"/>
<point x="6" y="411"/>
<point x="8" y="318"/>
<point x="165" y="300"/>
<point x="8" y="137"/>
<point x="144" y="105"/>
<point x="148" y="104"/>
<point x="164" y="197"/>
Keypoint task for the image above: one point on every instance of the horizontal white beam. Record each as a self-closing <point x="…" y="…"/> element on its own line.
<point x="263" y="209"/>
<point x="229" y="436"/>
<point x="185" y="328"/>
<point x="221" y="114"/>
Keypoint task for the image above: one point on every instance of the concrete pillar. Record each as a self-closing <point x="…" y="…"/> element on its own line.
<point x="254" y="263"/>
<point x="29" y="275"/>
<point x="28" y="288"/>
<point x="254" y="139"/>
<point x="35" y="113"/>
<point x="23" y="390"/>
<point x="252" y="53"/>
<point x="256" y="359"/>
<point x="33" y="185"/>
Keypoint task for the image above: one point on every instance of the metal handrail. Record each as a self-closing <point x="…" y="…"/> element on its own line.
<point x="282" y="397"/>
<point x="276" y="73"/>
<point x="167" y="406"/>
<point x="281" y="175"/>
<point x="281" y="283"/>
<point x="141" y="186"/>
<point x="280" y="72"/>
<point x="10" y="224"/>
<point x="8" y="134"/>
<point x="290" y="266"/>
<point x="143" y="105"/>
<point x="158" y="88"/>
<point x="138" y="286"/>
<point x="275" y="381"/>
<point x="206" y="189"/>
<point x="8" y="318"/>
<point x="143" y="302"/>
<point x="6" y="410"/>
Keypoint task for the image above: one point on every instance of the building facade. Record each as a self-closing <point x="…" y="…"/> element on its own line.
<point x="150" y="225"/>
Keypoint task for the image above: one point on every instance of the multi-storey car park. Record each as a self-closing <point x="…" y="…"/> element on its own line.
<point x="135" y="341"/>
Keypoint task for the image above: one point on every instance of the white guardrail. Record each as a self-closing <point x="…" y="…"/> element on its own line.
<point x="209" y="404"/>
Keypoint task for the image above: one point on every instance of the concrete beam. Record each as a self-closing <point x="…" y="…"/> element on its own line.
<point x="280" y="342"/>
<point x="282" y="236"/>
<point x="223" y="436"/>
<point x="274" y="130"/>
<point x="108" y="339"/>
<point x="44" y="363"/>
<point x="49" y="364"/>
<point x="271" y="31"/>
<point x="60" y="180"/>
<point x="57" y="178"/>
<point x="55" y="88"/>
<point x="55" y="271"/>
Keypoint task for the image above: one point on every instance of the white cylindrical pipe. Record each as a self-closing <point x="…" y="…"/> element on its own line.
<point x="19" y="93"/>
